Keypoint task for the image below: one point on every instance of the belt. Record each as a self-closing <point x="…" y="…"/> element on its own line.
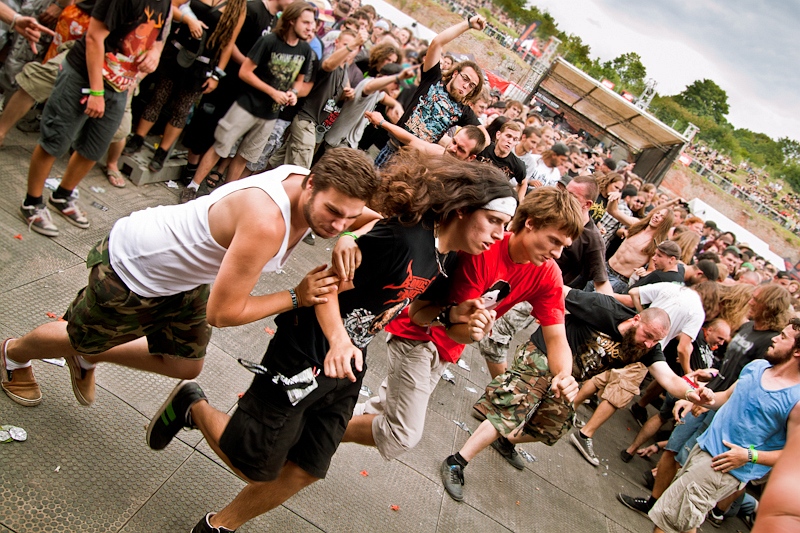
<point x="202" y="59"/>
<point x="616" y="274"/>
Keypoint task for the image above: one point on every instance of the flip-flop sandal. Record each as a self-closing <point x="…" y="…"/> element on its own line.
<point x="213" y="183"/>
<point x="115" y="178"/>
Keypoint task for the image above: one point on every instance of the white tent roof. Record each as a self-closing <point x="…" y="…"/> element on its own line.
<point x="637" y="128"/>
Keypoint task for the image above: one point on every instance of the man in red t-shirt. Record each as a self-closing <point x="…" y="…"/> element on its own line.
<point x="520" y="267"/>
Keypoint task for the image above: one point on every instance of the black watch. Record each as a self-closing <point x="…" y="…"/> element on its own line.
<point x="443" y="317"/>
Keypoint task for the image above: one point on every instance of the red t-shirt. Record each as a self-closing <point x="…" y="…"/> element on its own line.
<point x="503" y="284"/>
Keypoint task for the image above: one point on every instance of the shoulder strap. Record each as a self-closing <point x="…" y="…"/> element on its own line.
<point x="218" y="6"/>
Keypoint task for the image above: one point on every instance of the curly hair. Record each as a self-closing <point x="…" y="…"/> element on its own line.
<point x="381" y="53"/>
<point x="605" y="180"/>
<point x="414" y="187"/>
<point x="661" y="231"/>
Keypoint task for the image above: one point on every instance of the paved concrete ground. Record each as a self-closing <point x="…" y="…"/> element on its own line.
<point x="89" y="469"/>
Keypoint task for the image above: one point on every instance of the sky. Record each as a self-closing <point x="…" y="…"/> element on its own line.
<point x="750" y="49"/>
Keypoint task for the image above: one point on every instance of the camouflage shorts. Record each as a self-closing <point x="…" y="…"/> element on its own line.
<point x="494" y="347"/>
<point x="106" y="313"/>
<point x="510" y="398"/>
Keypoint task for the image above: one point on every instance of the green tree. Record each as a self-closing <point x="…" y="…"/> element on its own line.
<point x="631" y="70"/>
<point x="574" y="50"/>
<point x="790" y="150"/>
<point x="705" y="98"/>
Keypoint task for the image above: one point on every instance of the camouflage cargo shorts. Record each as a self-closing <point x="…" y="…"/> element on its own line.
<point x="511" y="399"/>
<point x="494" y="347"/>
<point x="106" y="313"/>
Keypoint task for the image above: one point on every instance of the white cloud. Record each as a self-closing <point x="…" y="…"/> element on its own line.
<point x="749" y="49"/>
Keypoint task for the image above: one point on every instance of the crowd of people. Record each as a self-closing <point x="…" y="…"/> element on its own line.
<point x="475" y="219"/>
<point x="758" y="187"/>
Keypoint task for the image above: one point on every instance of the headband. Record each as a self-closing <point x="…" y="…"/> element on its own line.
<point x="506" y="205"/>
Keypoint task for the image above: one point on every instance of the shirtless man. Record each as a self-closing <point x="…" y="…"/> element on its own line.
<point x="149" y="305"/>
<point x="638" y="247"/>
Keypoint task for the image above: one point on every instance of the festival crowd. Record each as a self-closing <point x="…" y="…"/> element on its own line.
<point x="472" y="219"/>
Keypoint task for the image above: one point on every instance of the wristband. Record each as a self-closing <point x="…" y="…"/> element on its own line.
<point x="383" y="120"/>
<point x="691" y="383"/>
<point x="101" y="92"/>
<point x="752" y="454"/>
<point x="214" y="77"/>
<point x="443" y="318"/>
<point x="347" y="46"/>
<point x="295" y="303"/>
<point x="686" y="395"/>
<point x="349" y="234"/>
<point x="14" y="20"/>
<point x="219" y="72"/>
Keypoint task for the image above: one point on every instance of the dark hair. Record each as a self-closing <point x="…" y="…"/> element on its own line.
<point x="346" y="170"/>
<point x="629" y="190"/>
<point x="708" y="268"/>
<point x="226" y="25"/>
<point x="795" y="323"/>
<point x="435" y="188"/>
<point x="708" y="256"/>
<point x="476" y="134"/>
<point x="390" y="69"/>
<point x="549" y="207"/>
<point x="292" y="12"/>
<point x="380" y="53"/>
<point x="511" y="125"/>
<point x="495" y="126"/>
<point x="531" y="130"/>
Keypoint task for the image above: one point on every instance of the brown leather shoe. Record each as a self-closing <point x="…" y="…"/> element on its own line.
<point x="19" y="385"/>
<point x="82" y="381"/>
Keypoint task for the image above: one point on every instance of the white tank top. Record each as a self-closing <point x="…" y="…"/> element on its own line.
<point x="168" y="249"/>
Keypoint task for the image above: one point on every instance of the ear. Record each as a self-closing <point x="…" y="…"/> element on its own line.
<point x="472" y="157"/>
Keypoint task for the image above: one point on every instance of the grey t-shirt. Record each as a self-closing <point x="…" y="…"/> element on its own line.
<point x="322" y="106"/>
<point x="349" y="127"/>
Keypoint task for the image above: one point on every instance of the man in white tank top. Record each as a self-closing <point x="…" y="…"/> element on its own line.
<point x="149" y="304"/>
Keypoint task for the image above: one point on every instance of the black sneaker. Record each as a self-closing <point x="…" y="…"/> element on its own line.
<point x="509" y="453"/>
<point x="586" y="447"/>
<point x="157" y="162"/>
<point x="714" y="519"/>
<point x="639" y="413"/>
<point x="134" y="144"/>
<point x="174" y="414"/>
<point x="203" y="526"/>
<point x="453" y="480"/>
<point x="625" y="456"/>
<point x="637" y="504"/>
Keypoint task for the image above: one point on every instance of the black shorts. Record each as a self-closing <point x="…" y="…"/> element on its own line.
<point x="267" y="430"/>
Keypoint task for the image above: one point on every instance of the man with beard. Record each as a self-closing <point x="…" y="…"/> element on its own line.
<point x="769" y="310"/>
<point x="744" y="440"/>
<point x="602" y="334"/>
<point x="149" y="304"/>
<point x="441" y="100"/>
<point x="687" y="309"/>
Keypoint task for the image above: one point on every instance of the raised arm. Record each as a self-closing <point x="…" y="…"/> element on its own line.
<point x="402" y="135"/>
<point x="434" y="54"/>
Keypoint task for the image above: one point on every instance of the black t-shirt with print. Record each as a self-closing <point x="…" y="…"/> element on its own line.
<point x="511" y="165"/>
<point x="325" y="98"/>
<point x="593" y="335"/>
<point x="433" y="111"/>
<point x="278" y="65"/>
<point x="702" y="356"/>
<point x="746" y="346"/>
<point x="134" y="25"/>
<point x="598" y="208"/>
<point x="398" y="264"/>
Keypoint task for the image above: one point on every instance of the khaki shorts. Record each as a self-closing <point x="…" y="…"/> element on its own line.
<point x="127" y="121"/>
<point x="695" y="491"/>
<point x="299" y="146"/>
<point x="236" y="123"/>
<point x="618" y="386"/>
<point x="106" y="313"/>
<point x="521" y="397"/>
<point x="402" y="401"/>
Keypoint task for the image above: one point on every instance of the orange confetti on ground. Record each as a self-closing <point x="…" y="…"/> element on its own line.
<point x="18" y="236"/>
<point x="51" y="315"/>
<point x="269" y="330"/>
<point x="517" y="502"/>
<point x="364" y="473"/>
<point x="395" y="507"/>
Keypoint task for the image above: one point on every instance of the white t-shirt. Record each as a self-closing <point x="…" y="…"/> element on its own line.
<point x="682" y="304"/>
<point x="541" y="172"/>
<point x="529" y="162"/>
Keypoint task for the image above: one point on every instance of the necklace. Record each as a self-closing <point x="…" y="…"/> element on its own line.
<point x="436" y="254"/>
